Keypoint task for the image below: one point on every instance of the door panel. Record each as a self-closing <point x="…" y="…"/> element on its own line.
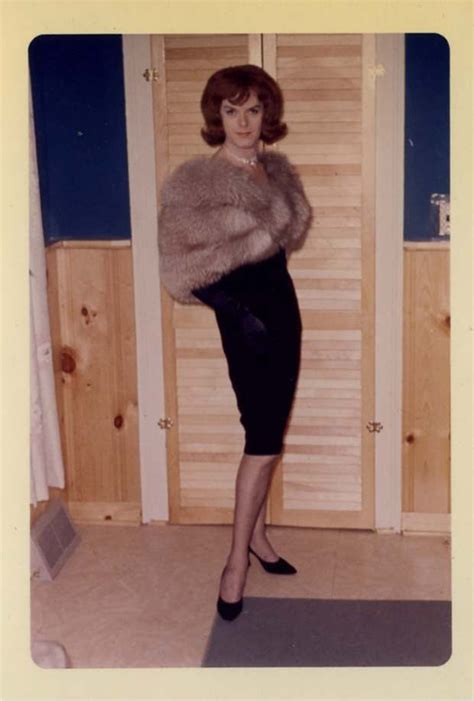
<point x="326" y="475"/>
<point x="206" y="439"/>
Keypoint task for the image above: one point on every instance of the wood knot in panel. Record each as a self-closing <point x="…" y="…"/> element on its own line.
<point x="68" y="361"/>
<point x="118" y="421"/>
<point x="87" y="314"/>
<point x="410" y="438"/>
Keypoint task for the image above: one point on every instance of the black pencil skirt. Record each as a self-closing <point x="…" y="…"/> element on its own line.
<point x="262" y="344"/>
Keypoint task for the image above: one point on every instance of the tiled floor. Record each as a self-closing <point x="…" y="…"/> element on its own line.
<point x="145" y="597"/>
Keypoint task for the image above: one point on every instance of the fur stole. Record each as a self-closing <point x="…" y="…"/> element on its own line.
<point x="215" y="217"/>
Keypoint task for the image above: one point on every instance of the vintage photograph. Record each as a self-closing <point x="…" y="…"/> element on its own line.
<point x="240" y="350"/>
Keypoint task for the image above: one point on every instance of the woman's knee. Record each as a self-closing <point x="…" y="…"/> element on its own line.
<point x="265" y="461"/>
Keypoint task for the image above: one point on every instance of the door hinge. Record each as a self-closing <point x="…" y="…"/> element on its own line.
<point x="377" y="71"/>
<point x="374" y="427"/>
<point x="165" y="423"/>
<point x="151" y="74"/>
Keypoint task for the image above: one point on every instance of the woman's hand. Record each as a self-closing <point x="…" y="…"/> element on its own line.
<point x="251" y="330"/>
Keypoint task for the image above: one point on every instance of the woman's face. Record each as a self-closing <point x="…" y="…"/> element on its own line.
<point x="242" y="123"/>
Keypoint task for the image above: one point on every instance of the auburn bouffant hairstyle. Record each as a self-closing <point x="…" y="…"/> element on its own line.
<point x="235" y="84"/>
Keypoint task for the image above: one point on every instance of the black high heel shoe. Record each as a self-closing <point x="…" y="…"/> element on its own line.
<point x="280" y="566"/>
<point x="229" y="610"/>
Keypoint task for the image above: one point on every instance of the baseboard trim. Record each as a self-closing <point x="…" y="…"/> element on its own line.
<point x="106" y="513"/>
<point x="426" y="524"/>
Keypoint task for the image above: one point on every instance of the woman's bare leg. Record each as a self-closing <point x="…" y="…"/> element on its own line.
<point x="259" y="541"/>
<point x="253" y="480"/>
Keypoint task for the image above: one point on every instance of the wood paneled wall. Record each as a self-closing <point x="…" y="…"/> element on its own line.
<point x="426" y="388"/>
<point x="90" y="292"/>
<point x="91" y="306"/>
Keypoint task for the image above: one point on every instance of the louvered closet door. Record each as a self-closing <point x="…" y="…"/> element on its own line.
<point x="327" y="474"/>
<point x="205" y="442"/>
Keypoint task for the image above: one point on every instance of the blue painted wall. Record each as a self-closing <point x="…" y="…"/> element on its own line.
<point x="427" y="121"/>
<point x="79" y="108"/>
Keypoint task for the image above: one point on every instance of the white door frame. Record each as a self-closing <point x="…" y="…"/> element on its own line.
<point x="147" y="295"/>
<point x="390" y="101"/>
<point x="389" y="176"/>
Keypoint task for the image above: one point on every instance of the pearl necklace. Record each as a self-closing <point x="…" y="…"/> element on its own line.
<point x="248" y="161"/>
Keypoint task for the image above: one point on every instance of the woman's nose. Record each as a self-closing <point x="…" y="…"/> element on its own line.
<point x="243" y="119"/>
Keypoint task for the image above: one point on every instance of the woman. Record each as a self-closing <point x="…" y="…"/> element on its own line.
<point x="226" y="224"/>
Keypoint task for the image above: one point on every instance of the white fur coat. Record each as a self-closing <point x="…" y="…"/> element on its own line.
<point x="215" y="217"/>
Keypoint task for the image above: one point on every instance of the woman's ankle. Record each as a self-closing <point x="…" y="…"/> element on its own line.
<point x="237" y="561"/>
<point x="262" y="546"/>
<point x="232" y="583"/>
<point x="259" y="539"/>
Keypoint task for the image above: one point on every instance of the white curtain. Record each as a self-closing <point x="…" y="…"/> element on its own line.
<point x="46" y="463"/>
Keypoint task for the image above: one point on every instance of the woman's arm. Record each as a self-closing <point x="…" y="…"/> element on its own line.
<point x="198" y="247"/>
<point x="301" y="221"/>
<point x="203" y="226"/>
<point x="250" y="329"/>
<point x="291" y="188"/>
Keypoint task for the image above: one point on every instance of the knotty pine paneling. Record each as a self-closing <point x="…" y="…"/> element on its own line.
<point x="426" y="380"/>
<point x="90" y="294"/>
